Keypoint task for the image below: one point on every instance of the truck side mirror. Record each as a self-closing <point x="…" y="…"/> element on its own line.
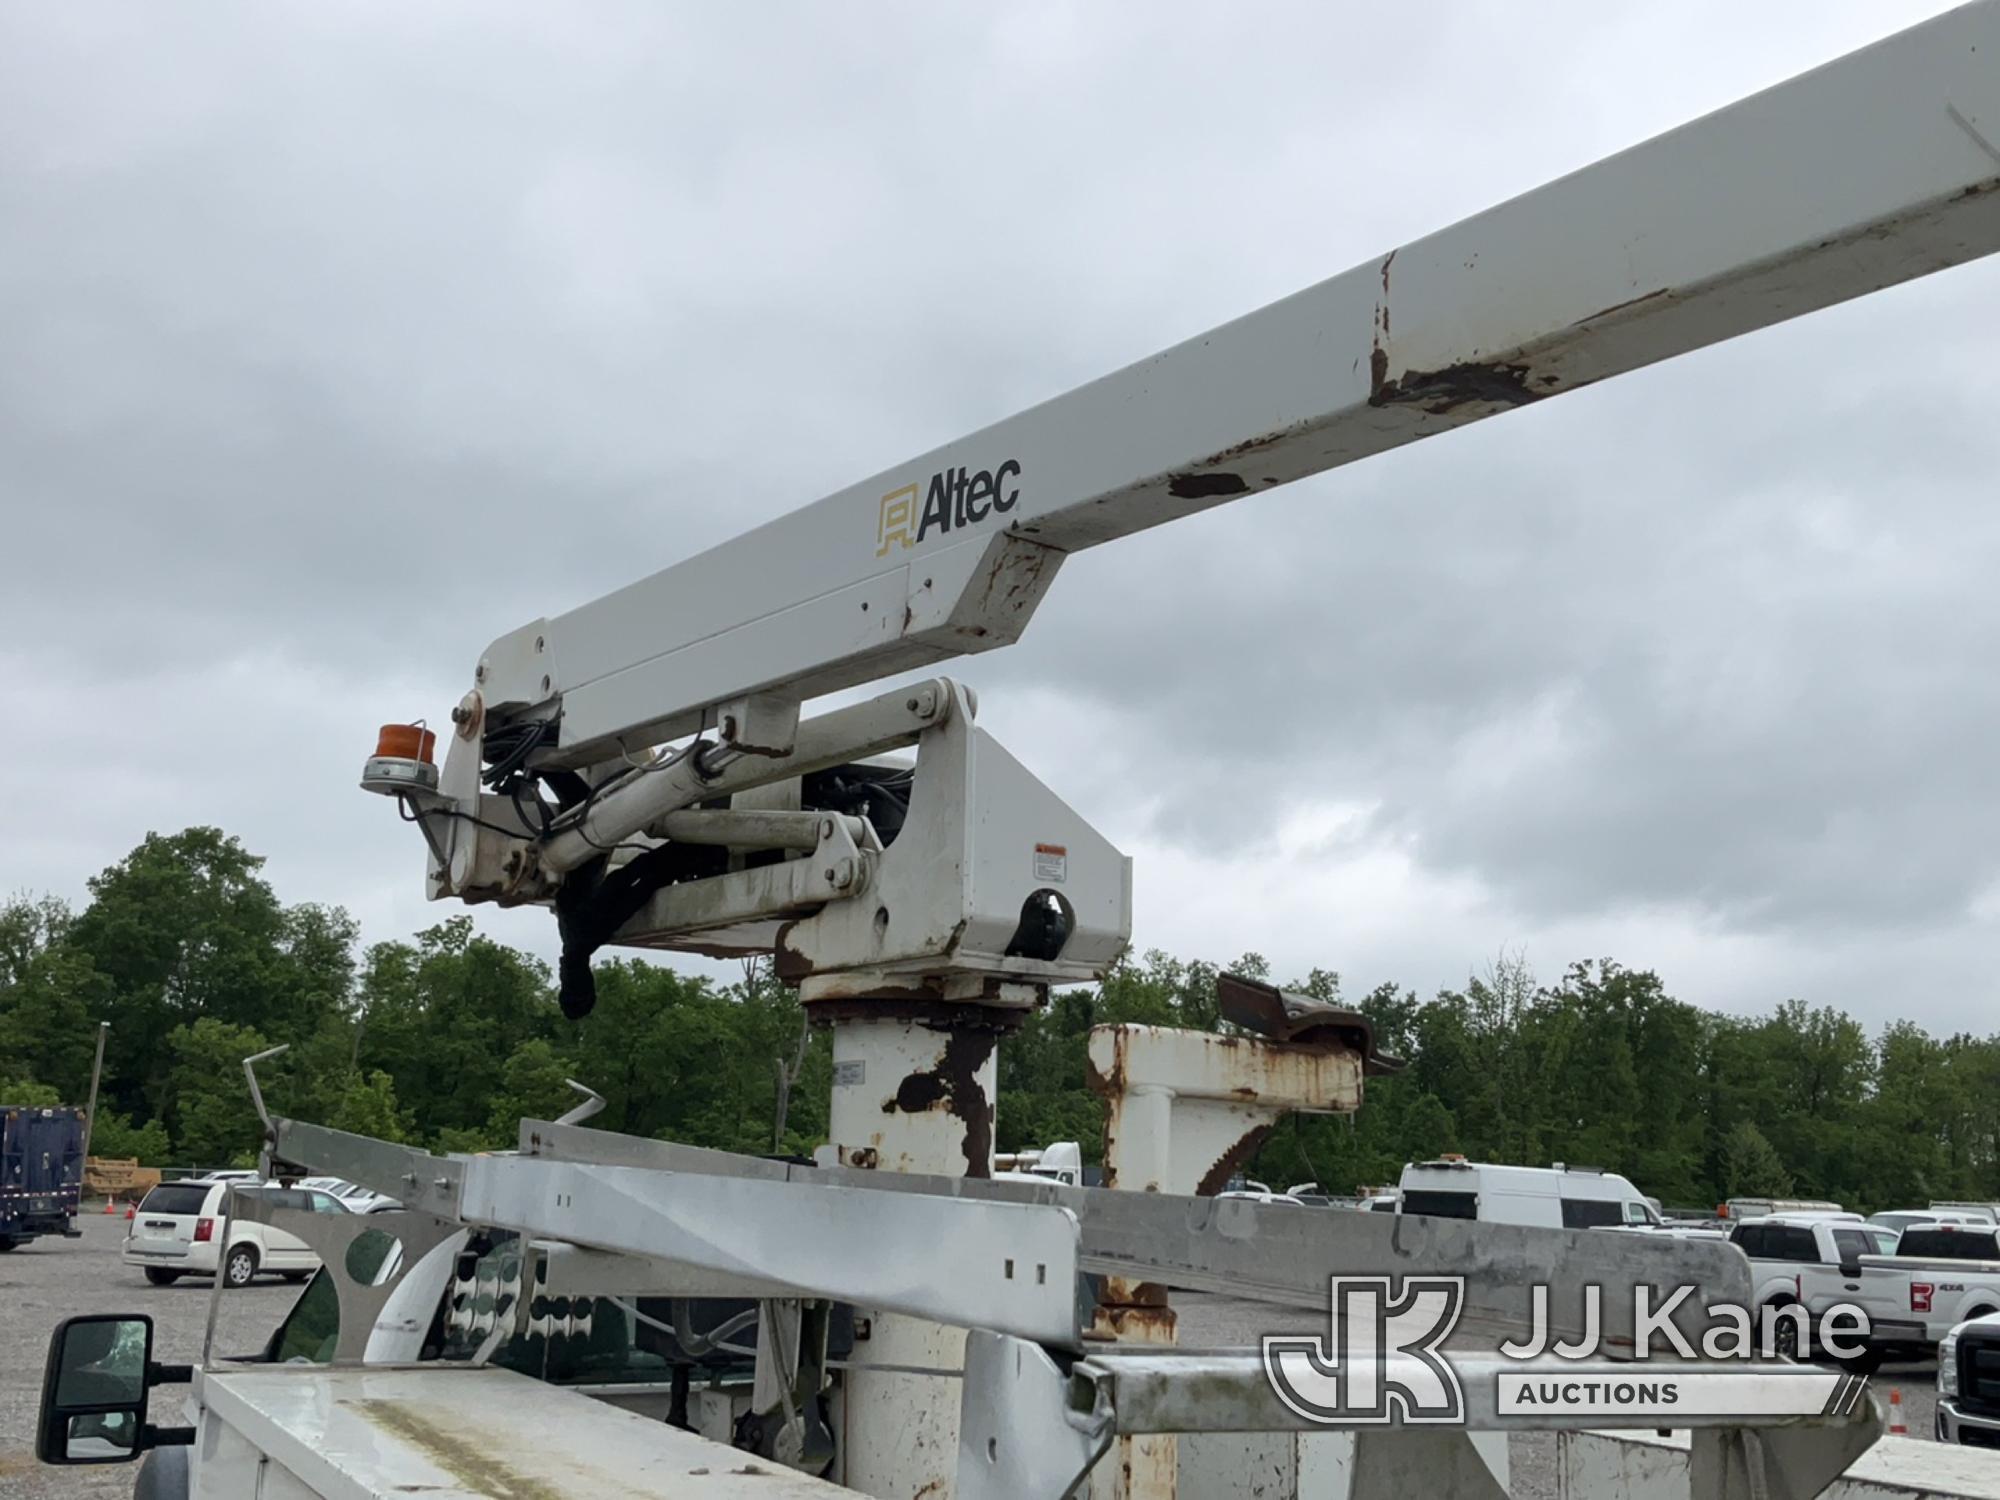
<point x="1851" y="1268"/>
<point x="94" y="1387"/>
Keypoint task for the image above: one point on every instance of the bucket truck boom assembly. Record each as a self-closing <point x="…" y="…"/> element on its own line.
<point x="658" y="767"/>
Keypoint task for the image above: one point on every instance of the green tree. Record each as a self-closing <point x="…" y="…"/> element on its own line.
<point x="50" y="997"/>
<point x="1752" y="1167"/>
<point x="26" y="1091"/>
<point x="366" y="1105"/>
<point x="117" y="1137"/>
<point x="214" y="1121"/>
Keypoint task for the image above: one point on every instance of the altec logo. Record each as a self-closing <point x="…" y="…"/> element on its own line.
<point x="953" y="498"/>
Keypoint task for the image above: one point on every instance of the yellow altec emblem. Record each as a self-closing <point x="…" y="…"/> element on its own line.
<point x="957" y="498"/>
<point x="899" y="520"/>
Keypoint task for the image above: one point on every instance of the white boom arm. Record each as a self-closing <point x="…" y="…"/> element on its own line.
<point x="1872" y="170"/>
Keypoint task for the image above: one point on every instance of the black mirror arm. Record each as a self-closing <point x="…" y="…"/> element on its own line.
<point x="165" y="1437"/>
<point x="159" y="1374"/>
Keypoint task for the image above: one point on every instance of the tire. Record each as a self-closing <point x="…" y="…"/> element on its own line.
<point x="1785" y="1339"/>
<point x="7" y="1244"/>
<point x="161" y="1276"/>
<point x="239" y="1267"/>
<point x="163" y="1475"/>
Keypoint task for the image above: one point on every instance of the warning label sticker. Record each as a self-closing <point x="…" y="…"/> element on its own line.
<point x="1051" y="863"/>
<point x="850" y="1071"/>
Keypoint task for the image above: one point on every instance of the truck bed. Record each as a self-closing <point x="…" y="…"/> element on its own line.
<point x="456" y="1433"/>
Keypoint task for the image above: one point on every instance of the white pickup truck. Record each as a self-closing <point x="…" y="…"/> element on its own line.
<point x="1968" y="1384"/>
<point x="1938" y="1278"/>
<point x="1788" y="1251"/>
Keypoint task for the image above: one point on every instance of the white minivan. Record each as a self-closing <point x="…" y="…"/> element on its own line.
<point x="1557" y="1197"/>
<point x="177" y="1230"/>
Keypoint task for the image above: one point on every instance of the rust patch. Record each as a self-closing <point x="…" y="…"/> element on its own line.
<point x="478" y="1470"/>
<point x="1217" y="1176"/>
<point x="1121" y="1291"/>
<point x="1133" y="1325"/>
<point x="1440" y="392"/>
<point x="1385" y="272"/>
<point x="1200" y="486"/>
<point x="954" y="1083"/>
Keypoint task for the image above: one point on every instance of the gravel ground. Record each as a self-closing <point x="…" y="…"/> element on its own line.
<point x="46" y="1281"/>
<point x="49" y="1280"/>
<point x="1224" y="1321"/>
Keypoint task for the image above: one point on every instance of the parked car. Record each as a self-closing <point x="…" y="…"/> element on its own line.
<point x="1968" y="1383"/>
<point x="1557" y="1197"/>
<point x="353" y="1197"/>
<point x="176" y="1231"/>
<point x="41" y="1171"/>
<point x="1262" y="1195"/>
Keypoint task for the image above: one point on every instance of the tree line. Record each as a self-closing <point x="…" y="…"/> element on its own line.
<point x="447" y="1039"/>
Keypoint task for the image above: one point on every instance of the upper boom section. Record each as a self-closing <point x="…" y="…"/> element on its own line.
<point x="1872" y="170"/>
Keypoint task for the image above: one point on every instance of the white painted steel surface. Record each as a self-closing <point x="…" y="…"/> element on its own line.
<point x="454" y="1433"/>
<point x="1871" y="170"/>
<point x="899" y="1432"/>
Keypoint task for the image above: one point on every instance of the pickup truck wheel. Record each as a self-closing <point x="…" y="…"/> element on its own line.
<point x="241" y="1266"/>
<point x="1785" y="1336"/>
<point x="161" y="1276"/>
<point x="7" y="1244"/>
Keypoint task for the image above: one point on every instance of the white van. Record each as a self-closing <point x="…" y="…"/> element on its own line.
<point x="176" y="1230"/>
<point x="1557" y="1197"/>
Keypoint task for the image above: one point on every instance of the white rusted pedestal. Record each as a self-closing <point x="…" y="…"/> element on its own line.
<point x="1185" y="1109"/>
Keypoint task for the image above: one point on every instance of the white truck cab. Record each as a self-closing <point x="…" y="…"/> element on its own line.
<point x="1556" y="1197"/>
<point x="1060" y="1161"/>
<point x="1968" y="1383"/>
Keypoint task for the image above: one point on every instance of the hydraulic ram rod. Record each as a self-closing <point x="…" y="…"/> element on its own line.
<point x="1872" y="170"/>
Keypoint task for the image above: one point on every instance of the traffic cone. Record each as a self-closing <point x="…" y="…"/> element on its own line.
<point x="107" y="1206"/>
<point x="1897" y="1428"/>
<point x="131" y="1212"/>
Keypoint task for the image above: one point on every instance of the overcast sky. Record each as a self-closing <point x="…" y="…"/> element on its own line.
<point x="337" y="340"/>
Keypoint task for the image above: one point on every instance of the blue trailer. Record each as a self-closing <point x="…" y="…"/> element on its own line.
<point x="41" y="1171"/>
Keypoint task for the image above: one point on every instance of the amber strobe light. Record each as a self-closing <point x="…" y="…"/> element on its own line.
<point x="403" y="761"/>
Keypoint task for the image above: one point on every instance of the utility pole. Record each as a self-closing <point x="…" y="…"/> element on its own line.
<point x="96" y="1072"/>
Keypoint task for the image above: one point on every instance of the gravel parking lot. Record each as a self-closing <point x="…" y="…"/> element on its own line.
<point x="49" y="1280"/>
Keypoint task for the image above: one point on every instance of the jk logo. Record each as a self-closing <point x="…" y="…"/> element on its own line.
<point x="1380" y="1361"/>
